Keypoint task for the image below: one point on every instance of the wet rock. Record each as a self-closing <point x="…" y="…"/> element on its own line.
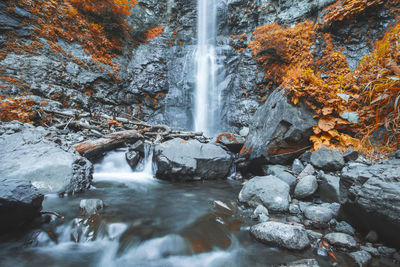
<point x="306" y="157"/>
<point x="138" y="147"/>
<point x="20" y="203"/>
<point x="266" y="190"/>
<point x="182" y="160"/>
<point x="386" y="251"/>
<point x="297" y="167"/>
<point x="281" y="172"/>
<point x="294" y="209"/>
<point x="344" y="227"/>
<point x="341" y="240"/>
<point x="371" y="250"/>
<point x="362" y="258"/>
<point x="301" y="263"/>
<point x="306" y="187"/>
<point x="133" y="158"/>
<point x="232" y="141"/>
<point x="29" y="155"/>
<point x="318" y="214"/>
<point x="279" y="127"/>
<point x="244" y="131"/>
<point x="314" y="236"/>
<point x="91" y="206"/>
<point x="308" y="170"/>
<point x="373" y="199"/>
<point x="372" y="236"/>
<point x="350" y="155"/>
<point x="280" y="234"/>
<point x="327" y="159"/>
<point x="260" y="214"/>
<point x="329" y="188"/>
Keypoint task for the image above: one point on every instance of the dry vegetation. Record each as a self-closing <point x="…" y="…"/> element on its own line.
<point x="352" y="106"/>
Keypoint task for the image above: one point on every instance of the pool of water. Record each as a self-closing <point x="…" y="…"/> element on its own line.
<point x="147" y="222"/>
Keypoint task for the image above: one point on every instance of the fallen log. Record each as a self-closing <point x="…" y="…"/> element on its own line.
<point x="93" y="149"/>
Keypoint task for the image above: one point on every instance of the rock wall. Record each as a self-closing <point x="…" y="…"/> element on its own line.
<point x="156" y="79"/>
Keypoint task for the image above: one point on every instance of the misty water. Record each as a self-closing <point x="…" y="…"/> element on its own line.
<point x="146" y="222"/>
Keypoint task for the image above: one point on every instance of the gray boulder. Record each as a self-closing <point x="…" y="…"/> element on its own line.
<point x="297" y="167"/>
<point x="278" y="127"/>
<point x="281" y="172"/>
<point x="182" y="160"/>
<point x="318" y="214"/>
<point x="29" y="155"/>
<point x="268" y="191"/>
<point x="281" y="235"/>
<point x="20" y="203"/>
<point x="306" y="186"/>
<point x="301" y="263"/>
<point x="341" y="240"/>
<point x="327" y="159"/>
<point x="133" y="158"/>
<point x="344" y="227"/>
<point x="233" y="142"/>
<point x="329" y="188"/>
<point x="362" y="258"/>
<point x="373" y="200"/>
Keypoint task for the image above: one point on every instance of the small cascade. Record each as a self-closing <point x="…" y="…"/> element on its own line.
<point x="207" y="94"/>
<point x="114" y="167"/>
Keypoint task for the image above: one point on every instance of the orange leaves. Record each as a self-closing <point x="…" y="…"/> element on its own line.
<point x="154" y="32"/>
<point x="327" y="123"/>
<point x="16" y="108"/>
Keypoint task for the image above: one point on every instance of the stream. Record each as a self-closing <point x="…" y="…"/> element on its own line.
<point x="146" y="222"/>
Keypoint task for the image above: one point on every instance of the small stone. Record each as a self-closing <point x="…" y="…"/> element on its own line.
<point x="350" y="155"/>
<point x="308" y="170"/>
<point x="244" y="131"/>
<point x="306" y="187"/>
<point x="362" y="258"/>
<point x="91" y="206"/>
<point x="260" y="213"/>
<point x="294" y="209"/>
<point x="301" y="263"/>
<point x="297" y="167"/>
<point x="281" y="172"/>
<point x="341" y="240"/>
<point x="372" y="236"/>
<point x="344" y="227"/>
<point x="329" y="188"/>
<point x="314" y="236"/>
<point x="293" y="219"/>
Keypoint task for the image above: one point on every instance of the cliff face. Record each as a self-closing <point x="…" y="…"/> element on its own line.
<point x="155" y="76"/>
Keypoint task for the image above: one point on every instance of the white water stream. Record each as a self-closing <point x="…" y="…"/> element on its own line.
<point x="207" y="95"/>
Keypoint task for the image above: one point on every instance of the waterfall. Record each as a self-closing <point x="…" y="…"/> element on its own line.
<point x="207" y="97"/>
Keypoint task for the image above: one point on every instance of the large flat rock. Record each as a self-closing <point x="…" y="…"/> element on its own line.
<point x="29" y="155"/>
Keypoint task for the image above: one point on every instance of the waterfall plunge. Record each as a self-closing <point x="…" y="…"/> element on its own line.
<point x="207" y="96"/>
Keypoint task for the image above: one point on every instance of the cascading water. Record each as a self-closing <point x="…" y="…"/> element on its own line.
<point x="207" y="97"/>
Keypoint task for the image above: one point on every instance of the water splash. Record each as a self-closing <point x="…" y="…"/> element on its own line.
<point x="115" y="168"/>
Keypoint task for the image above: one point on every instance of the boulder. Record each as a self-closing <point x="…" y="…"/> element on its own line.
<point x="282" y="173"/>
<point x="362" y="258"/>
<point x="341" y="240"/>
<point x="278" y="130"/>
<point x="350" y="155"/>
<point x="266" y="190"/>
<point x="29" y="155"/>
<point x="318" y="214"/>
<point x="329" y="188"/>
<point x="20" y="203"/>
<point x="133" y="158"/>
<point x="233" y="142"/>
<point x="306" y="186"/>
<point x="327" y="159"/>
<point x="182" y="160"/>
<point x="344" y="227"/>
<point x="281" y="235"/>
<point x="373" y="201"/>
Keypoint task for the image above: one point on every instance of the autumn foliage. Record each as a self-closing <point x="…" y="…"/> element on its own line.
<point x="351" y="106"/>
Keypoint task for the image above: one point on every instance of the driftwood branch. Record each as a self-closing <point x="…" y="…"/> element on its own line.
<point x="94" y="148"/>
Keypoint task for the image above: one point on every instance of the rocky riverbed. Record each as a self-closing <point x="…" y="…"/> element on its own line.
<point x="342" y="208"/>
